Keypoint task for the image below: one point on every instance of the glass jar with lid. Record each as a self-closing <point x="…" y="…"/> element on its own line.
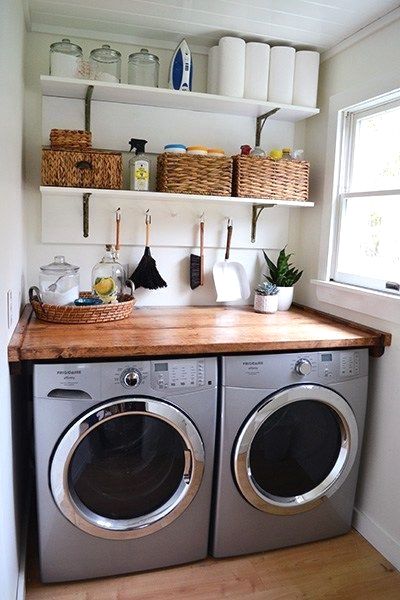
<point x="105" y="64"/>
<point x="59" y="282"/>
<point x="65" y="58"/>
<point x="143" y="68"/>
<point x="108" y="277"/>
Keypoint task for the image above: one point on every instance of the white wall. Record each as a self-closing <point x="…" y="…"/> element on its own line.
<point x="11" y="269"/>
<point x="378" y="500"/>
<point x="174" y="227"/>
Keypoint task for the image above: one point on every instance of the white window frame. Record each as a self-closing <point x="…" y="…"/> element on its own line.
<point x="348" y="121"/>
<point x="382" y="305"/>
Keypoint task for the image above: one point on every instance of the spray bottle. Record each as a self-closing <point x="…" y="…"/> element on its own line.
<point x="139" y="166"/>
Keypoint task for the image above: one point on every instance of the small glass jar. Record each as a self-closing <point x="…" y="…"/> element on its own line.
<point x="65" y="58"/>
<point x="286" y="154"/>
<point x="105" y="64"/>
<point x="143" y="68"/>
<point x="59" y="282"/>
<point x="108" y="277"/>
<point x="217" y="152"/>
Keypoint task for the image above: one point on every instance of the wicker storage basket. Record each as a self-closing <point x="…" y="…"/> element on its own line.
<point x="70" y="139"/>
<point x="90" y="169"/>
<point x="99" y="313"/>
<point x="259" y="177"/>
<point x="183" y="174"/>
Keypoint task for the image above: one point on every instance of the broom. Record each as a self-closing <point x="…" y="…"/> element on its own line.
<point x="146" y="274"/>
<point x="197" y="262"/>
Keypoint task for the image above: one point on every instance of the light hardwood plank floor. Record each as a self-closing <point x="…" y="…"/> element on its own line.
<point x="343" y="568"/>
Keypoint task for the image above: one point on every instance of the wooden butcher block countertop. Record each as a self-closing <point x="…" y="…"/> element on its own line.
<point x="190" y="330"/>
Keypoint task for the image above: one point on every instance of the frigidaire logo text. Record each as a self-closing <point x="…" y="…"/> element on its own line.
<point x="77" y="372"/>
<point x="253" y="362"/>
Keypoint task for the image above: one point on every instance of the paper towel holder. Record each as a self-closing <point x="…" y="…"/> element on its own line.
<point x="260" y="122"/>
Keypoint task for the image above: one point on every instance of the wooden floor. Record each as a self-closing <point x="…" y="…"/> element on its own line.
<point x="344" y="568"/>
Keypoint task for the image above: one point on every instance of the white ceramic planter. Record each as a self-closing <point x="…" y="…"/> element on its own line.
<point x="265" y="304"/>
<point x="285" y="298"/>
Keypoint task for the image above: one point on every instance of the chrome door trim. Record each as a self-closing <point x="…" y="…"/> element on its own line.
<point x="86" y="520"/>
<point x="347" y="454"/>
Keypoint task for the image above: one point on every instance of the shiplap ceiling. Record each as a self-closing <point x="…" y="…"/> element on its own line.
<point x="318" y="24"/>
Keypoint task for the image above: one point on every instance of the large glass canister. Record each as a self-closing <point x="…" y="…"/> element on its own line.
<point x="143" y="68"/>
<point x="108" y="277"/>
<point x="65" y="59"/>
<point x="59" y="282"/>
<point x="105" y="64"/>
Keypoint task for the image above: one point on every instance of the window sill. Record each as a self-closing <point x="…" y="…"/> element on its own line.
<point x="368" y="302"/>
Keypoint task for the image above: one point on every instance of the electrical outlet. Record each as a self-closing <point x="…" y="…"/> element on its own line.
<point x="9" y="309"/>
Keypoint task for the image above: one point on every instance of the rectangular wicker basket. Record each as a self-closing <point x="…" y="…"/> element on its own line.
<point x="84" y="169"/>
<point x="70" y="139"/>
<point x="191" y="174"/>
<point x="263" y="177"/>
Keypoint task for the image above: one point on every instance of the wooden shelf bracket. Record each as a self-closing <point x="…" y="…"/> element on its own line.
<point x="260" y="122"/>
<point x="256" y="212"/>
<point x="88" y="106"/>
<point x="85" y="207"/>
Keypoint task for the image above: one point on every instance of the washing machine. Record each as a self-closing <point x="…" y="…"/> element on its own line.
<point x="124" y="464"/>
<point x="289" y="448"/>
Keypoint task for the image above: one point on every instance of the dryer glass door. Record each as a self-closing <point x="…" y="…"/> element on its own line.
<point x="127" y="468"/>
<point x="295" y="449"/>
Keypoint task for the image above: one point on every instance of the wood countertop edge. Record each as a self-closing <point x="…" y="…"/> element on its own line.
<point x="375" y="340"/>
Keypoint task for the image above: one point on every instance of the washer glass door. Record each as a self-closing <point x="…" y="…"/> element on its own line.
<point x="295" y="449"/>
<point x="127" y="468"/>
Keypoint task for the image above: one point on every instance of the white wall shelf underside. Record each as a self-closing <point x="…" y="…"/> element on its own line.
<point x="62" y="216"/>
<point x="165" y="197"/>
<point x="164" y="98"/>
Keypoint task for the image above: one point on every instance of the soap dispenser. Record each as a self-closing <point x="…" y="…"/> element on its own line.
<point x="139" y="166"/>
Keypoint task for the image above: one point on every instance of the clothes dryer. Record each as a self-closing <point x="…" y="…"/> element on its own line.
<point x="289" y="448"/>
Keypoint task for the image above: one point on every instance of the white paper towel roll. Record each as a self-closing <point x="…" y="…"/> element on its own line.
<point x="212" y="72"/>
<point x="281" y="74"/>
<point x="306" y="78"/>
<point x="232" y="52"/>
<point x="256" y="71"/>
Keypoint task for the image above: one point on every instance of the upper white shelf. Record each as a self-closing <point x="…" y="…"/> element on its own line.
<point x="165" y="98"/>
<point x="164" y="197"/>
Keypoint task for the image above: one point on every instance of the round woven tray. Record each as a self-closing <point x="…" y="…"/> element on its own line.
<point x="71" y="315"/>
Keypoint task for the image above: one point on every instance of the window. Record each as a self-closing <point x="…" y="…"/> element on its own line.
<point x="367" y="250"/>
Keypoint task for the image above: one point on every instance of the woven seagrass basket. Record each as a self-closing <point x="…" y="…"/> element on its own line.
<point x="86" y="169"/>
<point x="70" y="139"/>
<point x="72" y="315"/>
<point x="187" y="174"/>
<point x="262" y="177"/>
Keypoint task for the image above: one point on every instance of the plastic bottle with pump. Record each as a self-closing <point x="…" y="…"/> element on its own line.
<point x="139" y="166"/>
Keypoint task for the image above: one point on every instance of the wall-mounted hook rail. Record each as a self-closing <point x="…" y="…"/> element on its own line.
<point x="256" y="212"/>
<point x="88" y="106"/>
<point x="261" y="122"/>
<point x="85" y="205"/>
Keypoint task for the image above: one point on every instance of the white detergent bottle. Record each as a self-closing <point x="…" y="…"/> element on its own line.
<point x="139" y="166"/>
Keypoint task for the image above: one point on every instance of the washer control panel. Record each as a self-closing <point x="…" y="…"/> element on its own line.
<point x="178" y="374"/>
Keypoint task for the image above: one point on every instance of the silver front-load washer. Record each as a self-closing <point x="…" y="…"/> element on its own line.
<point x="124" y="460"/>
<point x="289" y="448"/>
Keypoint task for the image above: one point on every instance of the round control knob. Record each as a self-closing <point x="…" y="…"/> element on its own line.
<point x="303" y="366"/>
<point x="131" y="378"/>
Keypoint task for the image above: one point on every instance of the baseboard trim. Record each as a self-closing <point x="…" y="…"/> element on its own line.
<point x="378" y="537"/>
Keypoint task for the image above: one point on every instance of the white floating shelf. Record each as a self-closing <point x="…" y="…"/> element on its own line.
<point x="164" y="197"/>
<point x="165" y="98"/>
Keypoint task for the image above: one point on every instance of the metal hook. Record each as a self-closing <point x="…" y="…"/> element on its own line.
<point x="202" y="217"/>
<point x="118" y="214"/>
<point x="230" y="222"/>
<point x="148" y="217"/>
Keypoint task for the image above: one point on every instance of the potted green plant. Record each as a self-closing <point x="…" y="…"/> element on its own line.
<point x="266" y="297"/>
<point x="284" y="276"/>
